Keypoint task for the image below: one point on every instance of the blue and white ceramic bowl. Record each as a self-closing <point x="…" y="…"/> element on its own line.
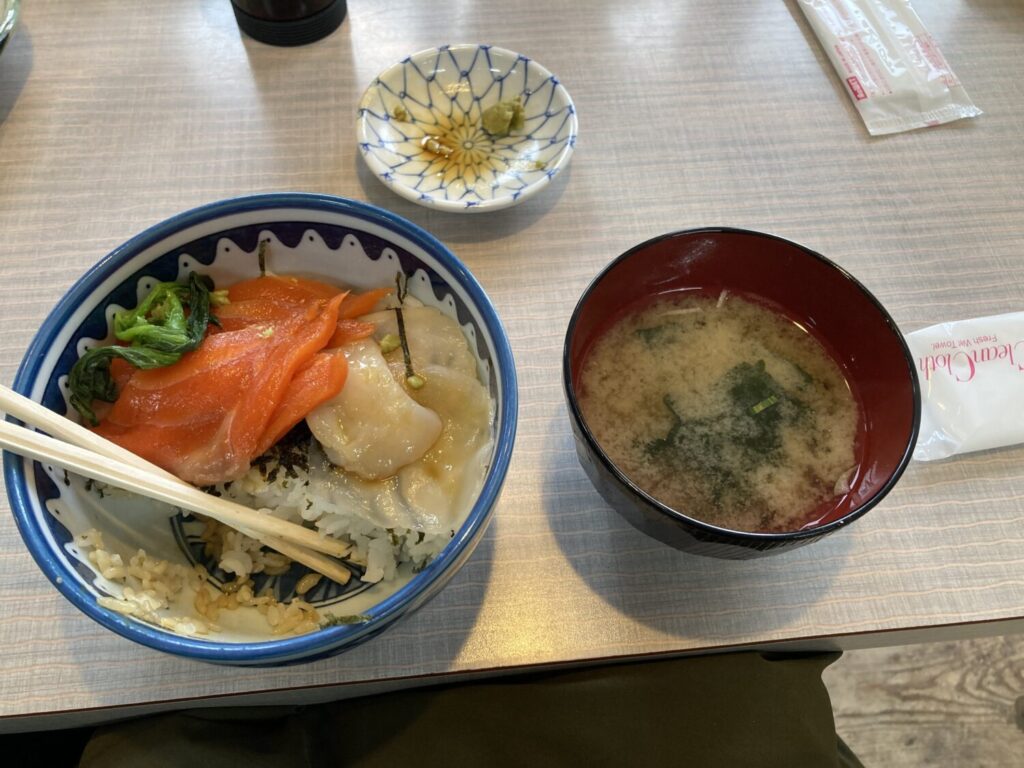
<point x="419" y="128"/>
<point x="336" y="239"/>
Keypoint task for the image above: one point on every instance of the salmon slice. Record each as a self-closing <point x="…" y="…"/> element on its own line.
<point x="196" y="384"/>
<point x="174" y="448"/>
<point x="241" y="314"/>
<point x="350" y="330"/>
<point x="206" y="417"/>
<point x="271" y="297"/>
<point x="281" y="288"/>
<point x="317" y="383"/>
<point x="357" y="305"/>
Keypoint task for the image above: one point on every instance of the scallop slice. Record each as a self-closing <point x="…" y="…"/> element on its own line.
<point x="433" y="337"/>
<point x="372" y="427"/>
<point x="440" y="487"/>
<point x="376" y="501"/>
<point x="432" y="494"/>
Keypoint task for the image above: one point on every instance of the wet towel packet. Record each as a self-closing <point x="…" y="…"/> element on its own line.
<point x="972" y="385"/>
<point x="891" y="67"/>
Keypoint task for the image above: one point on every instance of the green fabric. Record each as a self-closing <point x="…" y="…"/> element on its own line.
<point x="728" y="710"/>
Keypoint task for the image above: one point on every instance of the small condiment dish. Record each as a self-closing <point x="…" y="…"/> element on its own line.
<point x="422" y="128"/>
<point x="804" y="287"/>
<point x="8" y="20"/>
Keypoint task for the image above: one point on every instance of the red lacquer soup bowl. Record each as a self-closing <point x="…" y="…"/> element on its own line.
<point x="810" y="290"/>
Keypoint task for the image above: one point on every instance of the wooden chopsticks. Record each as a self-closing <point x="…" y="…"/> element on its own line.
<point x="87" y="454"/>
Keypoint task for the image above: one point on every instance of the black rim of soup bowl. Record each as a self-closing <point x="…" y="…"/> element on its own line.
<point x="676" y="528"/>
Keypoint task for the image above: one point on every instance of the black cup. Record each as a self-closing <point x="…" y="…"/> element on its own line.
<point x="288" y="22"/>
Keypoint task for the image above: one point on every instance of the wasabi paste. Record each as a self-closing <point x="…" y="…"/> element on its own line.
<point x="504" y="117"/>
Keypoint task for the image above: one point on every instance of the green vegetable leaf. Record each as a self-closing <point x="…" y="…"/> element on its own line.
<point x="160" y="321"/>
<point x="723" y="449"/>
<point x="159" y="331"/>
<point x="90" y="377"/>
<point x="654" y="335"/>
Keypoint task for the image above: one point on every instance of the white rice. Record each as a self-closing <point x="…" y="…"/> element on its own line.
<point x="148" y="586"/>
<point x="182" y="599"/>
<point x="159" y="592"/>
<point x="290" y="494"/>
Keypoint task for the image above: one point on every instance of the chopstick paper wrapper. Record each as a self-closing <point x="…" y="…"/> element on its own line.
<point x="972" y="385"/>
<point x="890" y="66"/>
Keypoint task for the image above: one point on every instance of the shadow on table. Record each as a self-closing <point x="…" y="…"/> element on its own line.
<point x="464" y="227"/>
<point x="15" y="64"/>
<point x="674" y="592"/>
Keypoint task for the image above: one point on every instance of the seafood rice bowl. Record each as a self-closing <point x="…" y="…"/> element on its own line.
<point x="315" y="359"/>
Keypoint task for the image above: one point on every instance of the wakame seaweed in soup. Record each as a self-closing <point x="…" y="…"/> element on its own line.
<point x="724" y="410"/>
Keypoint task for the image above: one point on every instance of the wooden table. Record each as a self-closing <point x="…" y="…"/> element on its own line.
<point x="116" y="115"/>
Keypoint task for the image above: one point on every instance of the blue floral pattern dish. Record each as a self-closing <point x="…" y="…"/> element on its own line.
<point x="8" y="19"/>
<point x="420" y="128"/>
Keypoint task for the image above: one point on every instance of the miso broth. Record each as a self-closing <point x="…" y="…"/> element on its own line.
<point x="724" y="410"/>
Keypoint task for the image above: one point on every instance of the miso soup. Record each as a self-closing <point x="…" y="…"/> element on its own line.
<point x="724" y="410"/>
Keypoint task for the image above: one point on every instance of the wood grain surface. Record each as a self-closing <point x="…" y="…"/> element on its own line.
<point x="948" y="705"/>
<point x="116" y="115"/>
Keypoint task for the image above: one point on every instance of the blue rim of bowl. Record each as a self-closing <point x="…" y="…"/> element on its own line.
<point x="410" y="194"/>
<point x="750" y="539"/>
<point x="324" y="641"/>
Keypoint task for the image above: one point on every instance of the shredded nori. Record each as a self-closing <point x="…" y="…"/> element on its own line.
<point x="261" y="257"/>
<point x="288" y="455"/>
<point x="401" y="291"/>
